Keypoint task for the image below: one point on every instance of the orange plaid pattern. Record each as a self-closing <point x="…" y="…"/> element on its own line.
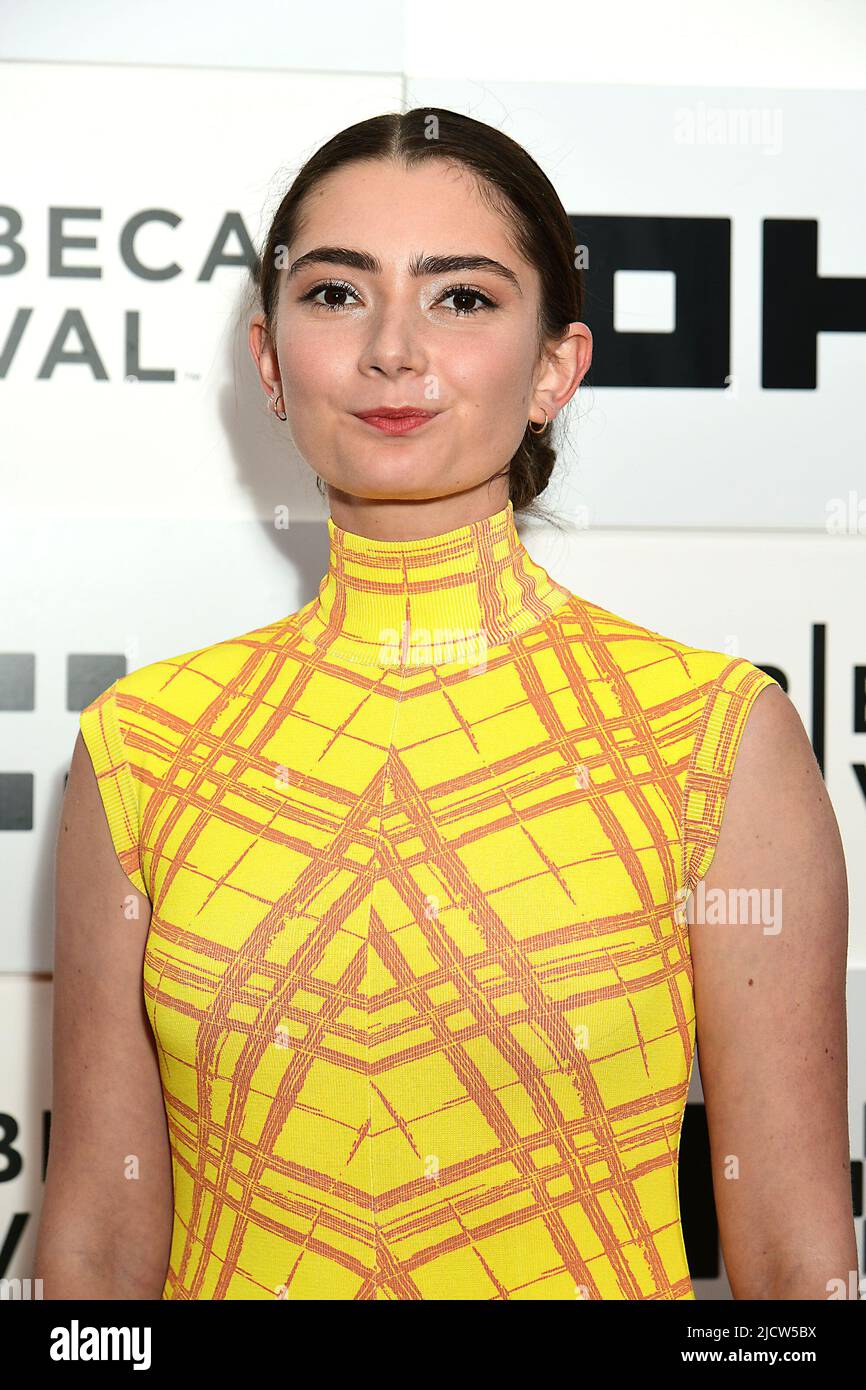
<point x="418" y="970"/>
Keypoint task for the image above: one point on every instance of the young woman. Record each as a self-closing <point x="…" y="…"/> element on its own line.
<point x="374" y="978"/>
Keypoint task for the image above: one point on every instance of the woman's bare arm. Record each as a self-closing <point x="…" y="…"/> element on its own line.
<point x="771" y="1020"/>
<point x="105" y="1226"/>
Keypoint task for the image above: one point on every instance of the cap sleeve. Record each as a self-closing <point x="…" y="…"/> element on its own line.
<point x="102" y="731"/>
<point x="717" y="742"/>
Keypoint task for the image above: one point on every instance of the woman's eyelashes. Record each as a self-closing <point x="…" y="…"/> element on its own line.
<point x="341" y="287"/>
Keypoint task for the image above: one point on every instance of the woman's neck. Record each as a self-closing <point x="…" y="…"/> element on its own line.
<point x="396" y="519"/>
<point x="428" y="600"/>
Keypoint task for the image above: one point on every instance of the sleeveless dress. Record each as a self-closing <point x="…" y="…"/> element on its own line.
<point x="418" y="965"/>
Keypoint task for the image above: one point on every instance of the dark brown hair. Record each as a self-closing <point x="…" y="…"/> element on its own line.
<point x="514" y="186"/>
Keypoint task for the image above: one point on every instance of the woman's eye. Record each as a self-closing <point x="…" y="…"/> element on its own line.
<point x="464" y="292"/>
<point x="329" y="287"/>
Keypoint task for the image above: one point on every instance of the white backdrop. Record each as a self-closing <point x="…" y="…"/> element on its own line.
<point x="706" y="514"/>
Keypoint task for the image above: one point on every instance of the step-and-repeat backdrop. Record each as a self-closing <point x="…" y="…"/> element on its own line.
<point x="712" y="485"/>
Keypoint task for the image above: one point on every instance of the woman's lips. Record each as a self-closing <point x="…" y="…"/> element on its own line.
<point x="396" y="424"/>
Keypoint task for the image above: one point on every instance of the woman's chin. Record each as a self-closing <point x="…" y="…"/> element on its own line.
<point x="389" y="481"/>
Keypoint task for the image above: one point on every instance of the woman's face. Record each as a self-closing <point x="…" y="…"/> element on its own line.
<point x="358" y="332"/>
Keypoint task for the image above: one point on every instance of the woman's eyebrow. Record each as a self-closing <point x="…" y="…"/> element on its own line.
<point x="418" y="265"/>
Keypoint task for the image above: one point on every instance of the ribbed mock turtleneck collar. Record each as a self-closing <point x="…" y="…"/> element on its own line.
<point x="430" y="601"/>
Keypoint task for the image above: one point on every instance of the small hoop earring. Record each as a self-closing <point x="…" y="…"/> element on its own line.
<point x="273" y="400"/>
<point x="543" y="427"/>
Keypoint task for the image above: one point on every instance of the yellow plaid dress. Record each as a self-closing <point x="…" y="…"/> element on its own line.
<point x="418" y="968"/>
